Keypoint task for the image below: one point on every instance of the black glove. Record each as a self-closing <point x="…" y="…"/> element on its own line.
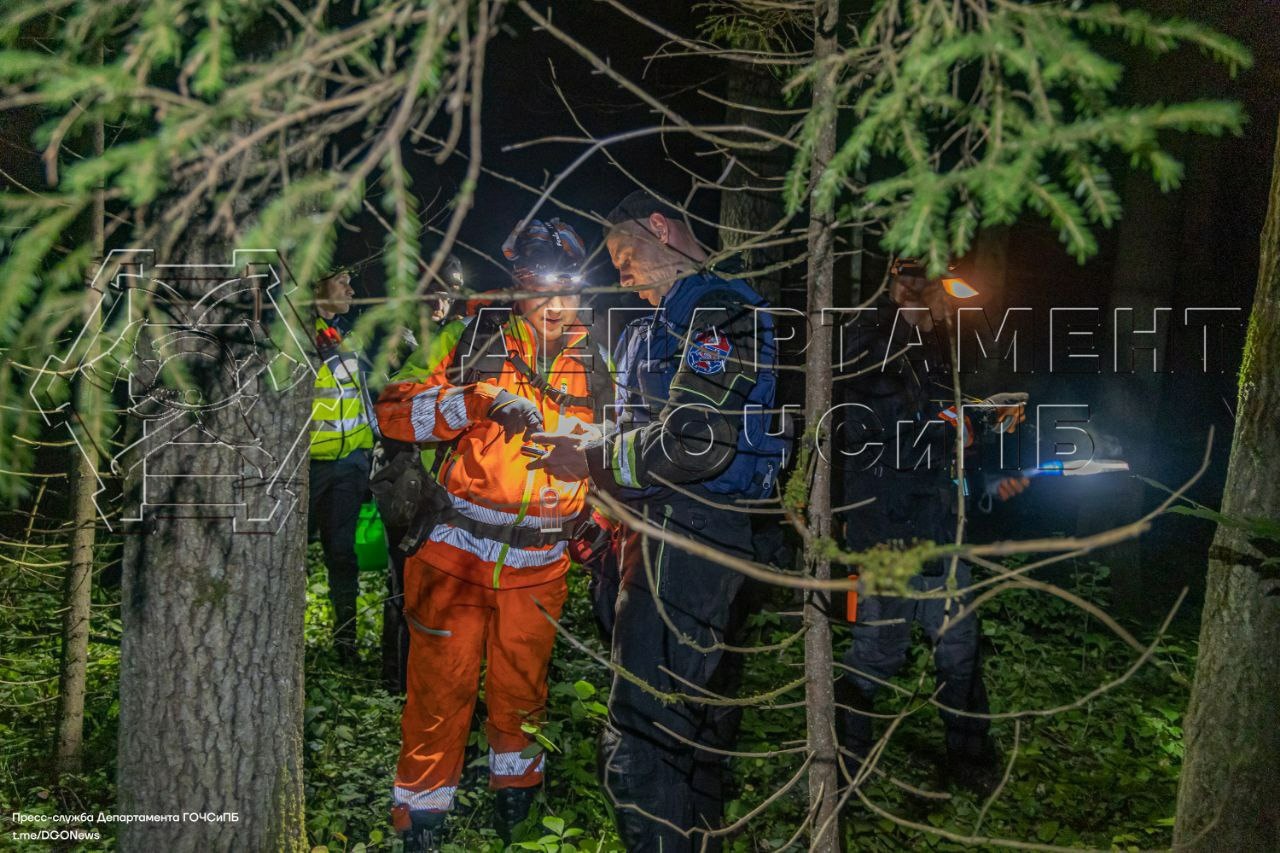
<point x="515" y="414"/>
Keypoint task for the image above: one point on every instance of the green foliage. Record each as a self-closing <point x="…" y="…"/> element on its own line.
<point x="1101" y="775"/>
<point x="765" y="28"/>
<point x="967" y="114"/>
<point x="218" y="115"/>
<point x="1258" y="528"/>
<point x="31" y="599"/>
<point x="1157" y="36"/>
<point x="1262" y="533"/>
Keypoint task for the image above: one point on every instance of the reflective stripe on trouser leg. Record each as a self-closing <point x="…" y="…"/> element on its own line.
<point x="435" y="800"/>
<point x="446" y="619"/>
<point x="514" y="764"/>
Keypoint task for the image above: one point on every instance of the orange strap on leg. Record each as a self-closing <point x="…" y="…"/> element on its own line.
<point x="851" y="600"/>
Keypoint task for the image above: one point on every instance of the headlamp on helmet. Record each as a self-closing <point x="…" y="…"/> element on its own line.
<point x="545" y="253"/>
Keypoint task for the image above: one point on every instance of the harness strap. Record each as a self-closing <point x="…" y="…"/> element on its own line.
<point x="537" y="380"/>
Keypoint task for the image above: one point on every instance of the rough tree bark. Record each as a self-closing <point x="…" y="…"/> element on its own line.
<point x="211" y="671"/>
<point x="1226" y="799"/>
<point x="819" y="671"/>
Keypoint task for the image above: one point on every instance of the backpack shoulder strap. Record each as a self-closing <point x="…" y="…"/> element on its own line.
<point x="599" y="382"/>
<point x="485" y="337"/>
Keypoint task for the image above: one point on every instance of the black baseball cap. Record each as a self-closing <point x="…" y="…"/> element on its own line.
<point x="639" y="205"/>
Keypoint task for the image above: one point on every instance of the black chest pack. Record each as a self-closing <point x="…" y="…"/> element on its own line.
<point x="410" y="498"/>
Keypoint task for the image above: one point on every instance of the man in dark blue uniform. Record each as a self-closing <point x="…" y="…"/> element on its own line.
<point x="695" y="389"/>
<point x="897" y="402"/>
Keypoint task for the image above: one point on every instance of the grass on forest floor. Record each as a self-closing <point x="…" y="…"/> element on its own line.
<point x="1103" y="775"/>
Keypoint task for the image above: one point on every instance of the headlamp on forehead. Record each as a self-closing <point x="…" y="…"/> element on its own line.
<point x="955" y="286"/>
<point x="958" y="288"/>
<point x="547" y="254"/>
<point x="563" y="279"/>
<point x="552" y="281"/>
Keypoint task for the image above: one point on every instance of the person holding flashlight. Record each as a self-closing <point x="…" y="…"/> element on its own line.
<point x="900" y="467"/>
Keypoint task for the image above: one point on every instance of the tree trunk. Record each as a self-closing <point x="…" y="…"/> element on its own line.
<point x="76" y="611"/>
<point x="77" y="595"/>
<point x="819" y="687"/>
<point x="1226" y="799"/>
<point x="1148" y="253"/>
<point x="211" y="694"/>
<point x="753" y="200"/>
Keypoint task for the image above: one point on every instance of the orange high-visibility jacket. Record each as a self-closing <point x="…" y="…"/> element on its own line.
<point x="486" y="475"/>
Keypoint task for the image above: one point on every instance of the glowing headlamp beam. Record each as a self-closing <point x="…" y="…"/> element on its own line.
<point x="958" y="288"/>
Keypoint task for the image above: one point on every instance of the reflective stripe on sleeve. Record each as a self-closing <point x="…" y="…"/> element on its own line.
<point x="422" y="414"/>
<point x="624" y="459"/>
<point x="453" y="405"/>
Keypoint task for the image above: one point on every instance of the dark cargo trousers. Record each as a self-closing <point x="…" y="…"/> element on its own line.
<point x="395" y="630"/>
<point x="881" y="639"/>
<point x="662" y="786"/>
<point x="337" y="491"/>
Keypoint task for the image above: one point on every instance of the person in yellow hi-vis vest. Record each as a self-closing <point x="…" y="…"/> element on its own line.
<point x="341" y="439"/>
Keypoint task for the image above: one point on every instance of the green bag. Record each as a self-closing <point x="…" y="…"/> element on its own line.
<point x="371" y="540"/>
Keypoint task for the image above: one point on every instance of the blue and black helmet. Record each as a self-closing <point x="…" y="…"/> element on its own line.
<point x="549" y="250"/>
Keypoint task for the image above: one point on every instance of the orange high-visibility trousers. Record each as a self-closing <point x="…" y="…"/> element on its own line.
<point x="453" y="626"/>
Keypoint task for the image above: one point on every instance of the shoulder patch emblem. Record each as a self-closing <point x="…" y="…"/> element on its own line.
<point x="708" y="351"/>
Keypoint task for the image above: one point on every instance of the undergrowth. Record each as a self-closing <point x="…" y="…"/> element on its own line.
<point x="1103" y="774"/>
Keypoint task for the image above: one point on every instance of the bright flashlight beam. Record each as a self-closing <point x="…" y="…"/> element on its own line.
<point x="1093" y="466"/>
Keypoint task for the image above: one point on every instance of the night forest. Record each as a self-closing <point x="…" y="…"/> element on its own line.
<point x="1095" y="185"/>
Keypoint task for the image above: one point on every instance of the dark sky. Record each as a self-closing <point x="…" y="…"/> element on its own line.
<point x="521" y="104"/>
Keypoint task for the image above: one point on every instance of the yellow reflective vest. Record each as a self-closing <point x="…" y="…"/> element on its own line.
<point x="339" y="419"/>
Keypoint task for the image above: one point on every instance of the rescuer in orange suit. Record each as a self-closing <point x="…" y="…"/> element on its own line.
<point x="496" y="553"/>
